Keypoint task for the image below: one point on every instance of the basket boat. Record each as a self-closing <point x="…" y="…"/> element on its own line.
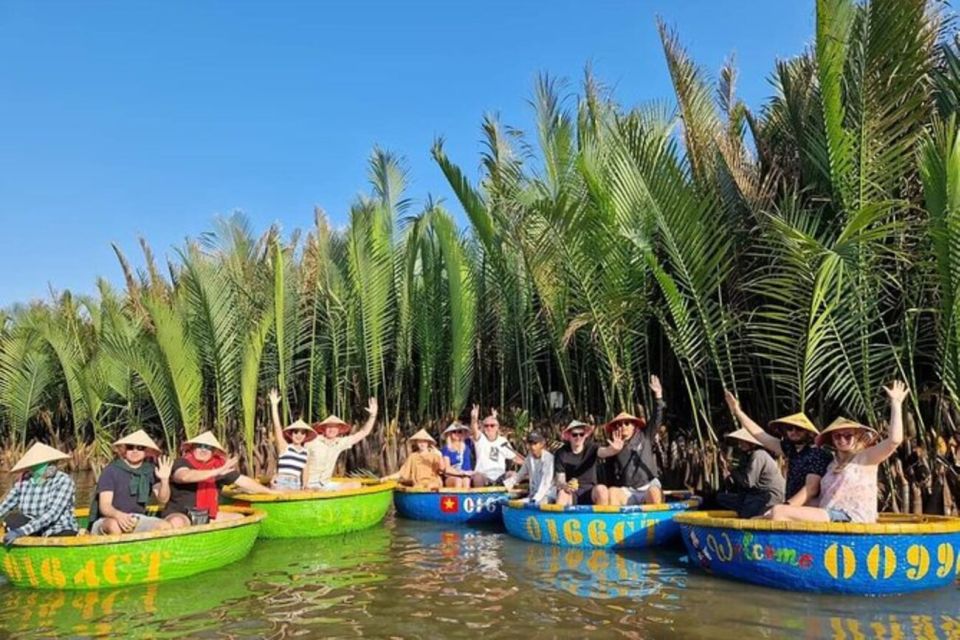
<point x="102" y="562"/>
<point x="313" y="514"/>
<point x="481" y="505"/>
<point x="899" y="554"/>
<point x="598" y="527"/>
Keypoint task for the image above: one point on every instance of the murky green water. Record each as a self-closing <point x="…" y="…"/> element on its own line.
<point x="418" y="580"/>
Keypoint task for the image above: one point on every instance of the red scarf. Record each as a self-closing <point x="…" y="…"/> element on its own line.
<point x="208" y="494"/>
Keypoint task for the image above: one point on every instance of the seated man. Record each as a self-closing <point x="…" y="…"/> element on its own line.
<point x="422" y="467"/>
<point x="124" y="488"/>
<point x="756" y="484"/>
<point x="43" y="496"/>
<point x="325" y="450"/>
<point x="198" y="475"/>
<point x="576" y="467"/>
<point x="634" y="464"/>
<point x="538" y="467"/>
<point x="493" y="450"/>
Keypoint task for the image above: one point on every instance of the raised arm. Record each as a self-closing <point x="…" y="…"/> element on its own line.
<point x="897" y="393"/>
<point x="184" y="475"/>
<point x="279" y="442"/>
<point x="769" y="442"/>
<point x="656" y="416"/>
<point x="372" y="408"/>
<point x="475" y="422"/>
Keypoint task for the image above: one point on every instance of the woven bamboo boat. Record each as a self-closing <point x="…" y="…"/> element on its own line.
<point x="313" y="514"/>
<point x="899" y="554"/>
<point x="481" y="505"/>
<point x="102" y="562"/>
<point x="598" y="527"/>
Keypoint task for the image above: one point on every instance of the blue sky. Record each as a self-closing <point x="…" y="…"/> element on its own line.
<point x="123" y="119"/>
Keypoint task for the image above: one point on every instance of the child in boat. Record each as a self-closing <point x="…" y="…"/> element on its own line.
<point x="197" y="477"/>
<point x="293" y="473"/>
<point x="756" y="484"/>
<point x="848" y="490"/>
<point x="630" y="449"/>
<point x="493" y="450"/>
<point x="576" y="467"/>
<point x="538" y="467"/>
<point x="457" y="456"/>
<point x="44" y="497"/>
<point x="422" y="467"/>
<point x="127" y="484"/>
<point x="806" y="462"/>
<point x="326" y="450"/>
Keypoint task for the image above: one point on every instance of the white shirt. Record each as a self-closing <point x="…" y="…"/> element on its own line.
<point x="540" y="472"/>
<point x="492" y="456"/>
<point x="323" y="457"/>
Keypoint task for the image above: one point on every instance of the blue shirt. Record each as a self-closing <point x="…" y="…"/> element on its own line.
<point x="460" y="460"/>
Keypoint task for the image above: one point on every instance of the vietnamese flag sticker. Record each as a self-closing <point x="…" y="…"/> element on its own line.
<point x="449" y="504"/>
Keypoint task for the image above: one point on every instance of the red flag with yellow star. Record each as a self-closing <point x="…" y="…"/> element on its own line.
<point x="449" y="504"/>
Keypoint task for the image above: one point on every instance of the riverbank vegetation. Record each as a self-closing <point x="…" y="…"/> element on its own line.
<point x="800" y="254"/>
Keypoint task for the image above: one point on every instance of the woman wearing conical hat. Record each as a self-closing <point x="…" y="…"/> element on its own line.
<point x="422" y="467"/>
<point x="333" y="440"/>
<point x="848" y="490"/>
<point x="292" y="453"/>
<point x="44" y="496"/>
<point x="457" y="455"/>
<point x="198" y="475"/>
<point x="127" y="484"/>
<point x="756" y="484"/>
<point x="806" y="462"/>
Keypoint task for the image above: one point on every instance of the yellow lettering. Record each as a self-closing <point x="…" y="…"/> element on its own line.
<point x="945" y="555"/>
<point x="87" y="576"/>
<point x="620" y="532"/>
<point x="552" y="531"/>
<point x="533" y="528"/>
<point x="919" y="560"/>
<point x="597" y="533"/>
<point x="571" y="532"/>
<point x="11" y="567"/>
<point x="52" y="573"/>
<point x="110" y="568"/>
<point x="881" y="561"/>
<point x="837" y="555"/>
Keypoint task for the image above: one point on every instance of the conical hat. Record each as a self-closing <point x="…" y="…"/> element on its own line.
<point x="422" y="435"/>
<point x="332" y="421"/>
<point x="565" y="434"/>
<point x="299" y="425"/>
<point x="744" y="435"/>
<point x="841" y="424"/>
<point x="796" y="420"/>
<point x="39" y="453"/>
<point x="138" y="437"/>
<point x="455" y="426"/>
<point x="623" y="416"/>
<point x="208" y="439"/>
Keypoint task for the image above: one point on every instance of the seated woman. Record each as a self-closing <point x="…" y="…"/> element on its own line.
<point x="292" y="455"/>
<point x="457" y="456"/>
<point x="538" y="468"/>
<point x="422" y="467"/>
<point x="756" y="484"/>
<point x="126" y="485"/>
<point x="806" y="462"/>
<point x="576" y="467"/>
<point x="326" y="450"/>
<point x="43" y="496"/>
<point x="848" y="491"/>
<point x="198" y="475"/>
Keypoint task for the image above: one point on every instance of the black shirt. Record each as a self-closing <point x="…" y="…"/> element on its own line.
<point x="582" y="466"/>
<point x="635" y="465"/>
<point x="803" y="461"/>
<point x="183" y="495"/>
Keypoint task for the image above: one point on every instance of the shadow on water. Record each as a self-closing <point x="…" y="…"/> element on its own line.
<point x="418" y="580"/>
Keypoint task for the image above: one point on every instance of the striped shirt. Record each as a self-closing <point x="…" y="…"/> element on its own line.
<point x="48" y="504"/>
<point x="292" y="461"/>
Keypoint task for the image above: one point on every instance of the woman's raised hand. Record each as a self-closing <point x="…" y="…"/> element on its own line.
<point x="274" y="396"/>
<point x="897" y="392"/>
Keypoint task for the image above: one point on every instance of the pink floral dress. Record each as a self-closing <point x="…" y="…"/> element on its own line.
<point x="851" y="488"/>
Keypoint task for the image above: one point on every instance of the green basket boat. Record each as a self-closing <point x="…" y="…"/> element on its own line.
<point x="104" y="562"/>
<point x="314" y="514"/>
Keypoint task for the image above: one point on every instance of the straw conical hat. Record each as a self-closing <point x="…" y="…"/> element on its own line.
<point x="744" y="435"/>
<point x="623" y="416"/>
<point x="332" y="421"/>
<point x="797" y="420"/>
<point x="208" y="439"/>
<point x="39" y="453"/>
<point x="565" y="434"/>
<point x="299" y="425"/>
<point x="138" y="437"/>
<point x="455" y="426"/>
<point x="422" y="435"/>
<point x="841" y="424"/>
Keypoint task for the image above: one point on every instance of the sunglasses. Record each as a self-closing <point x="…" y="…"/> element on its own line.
<point x="577" y="434"/>
<point x="136" y="447"/>
<point x="844" y="435"/>
<point x="204" y="447"/>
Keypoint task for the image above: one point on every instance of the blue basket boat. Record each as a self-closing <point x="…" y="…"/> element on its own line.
<point x="455" y="506"/>
<point x="598" y="527"/>
<point x="899" y="554"/>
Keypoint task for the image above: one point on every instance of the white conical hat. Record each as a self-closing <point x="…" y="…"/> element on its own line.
<point x="332" y="421"/>
<point x="39" y="453"/>
<point x="743" y="434"/>
<point x="422" y="435"/>
<point x="299" y="425"/>
<point x="208" y="439"/>
<point x="140" y="438"/>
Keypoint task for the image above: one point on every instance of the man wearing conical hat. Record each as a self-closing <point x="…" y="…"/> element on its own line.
<point x="333" y="440"/>
<point x="42" y="499"/>
<point x="806" y="461"/>
<point x="292" y="453"/>
<point x="126" y="486"/>
<point x="422" y="467"/>
<point x="756" y="483"/>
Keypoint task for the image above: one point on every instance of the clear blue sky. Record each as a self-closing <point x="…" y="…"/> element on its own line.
<point x="122" y="119"/>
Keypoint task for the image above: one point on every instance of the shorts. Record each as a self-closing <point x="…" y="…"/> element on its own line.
<point x="144" y="524"/>
<point x="287" y="482"/>
<point x="838" y="515"/>
<point x="638" y="495"/>
<point x="583" y="495"/>
<point x="329" y="485"/>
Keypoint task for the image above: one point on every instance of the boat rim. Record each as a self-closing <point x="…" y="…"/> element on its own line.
<point x="675" y="505"/>
<point x="299" y="496"/>
<point x="890" y="524"/>
<point x="453" y="490"/>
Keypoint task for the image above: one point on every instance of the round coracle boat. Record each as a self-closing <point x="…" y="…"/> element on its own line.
<point x="899" y="554"/>
<point x="313" y="514"/>
<point x="102" y="562"/>
<point x="598" y="527"/>
<point x="457" y="506"/>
